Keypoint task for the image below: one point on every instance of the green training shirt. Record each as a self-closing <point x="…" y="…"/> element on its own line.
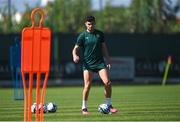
<point x="91" y="44"/>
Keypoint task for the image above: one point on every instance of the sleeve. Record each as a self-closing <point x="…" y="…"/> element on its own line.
<point x="80" y="40"/>
<point x="102" y="37"/>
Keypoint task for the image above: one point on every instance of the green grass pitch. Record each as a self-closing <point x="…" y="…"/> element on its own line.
<point x="135" y="103"/>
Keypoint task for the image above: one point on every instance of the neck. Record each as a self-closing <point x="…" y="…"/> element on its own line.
<point x="90" y="31"/>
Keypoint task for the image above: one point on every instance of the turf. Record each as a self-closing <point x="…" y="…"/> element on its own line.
<point x="135" y="103"/>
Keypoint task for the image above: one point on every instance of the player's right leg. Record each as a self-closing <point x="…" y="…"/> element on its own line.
<point x="88" y="75"/>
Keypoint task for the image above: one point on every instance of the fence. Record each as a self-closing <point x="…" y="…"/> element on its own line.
<point x="144" y="54"/>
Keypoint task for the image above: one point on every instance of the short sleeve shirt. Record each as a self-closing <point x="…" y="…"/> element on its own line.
<point x="91" y="44"/>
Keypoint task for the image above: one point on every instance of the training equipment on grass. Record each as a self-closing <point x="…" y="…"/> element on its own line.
<point x="169" y="62"/>
<point x="33" y="108"/>
<point x="103" y="108"/>
<point x="51" y="107"/>
<point x="15" y="63"/>
<point x="35" y="63"/>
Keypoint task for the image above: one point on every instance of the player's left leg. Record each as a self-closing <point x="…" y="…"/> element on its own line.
<point x="103" y="73"/>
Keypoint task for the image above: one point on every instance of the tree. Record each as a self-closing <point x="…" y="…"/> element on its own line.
<point x="67" y="15"/>
<point x="6" y="20"/>
<point x="148" y="17"/>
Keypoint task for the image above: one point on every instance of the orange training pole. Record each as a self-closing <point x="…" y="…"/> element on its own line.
<point x="43" y="95"/>
<point x="25" y="97"/>
<point x="35" y="60"/>
<point x="30" y="96"/>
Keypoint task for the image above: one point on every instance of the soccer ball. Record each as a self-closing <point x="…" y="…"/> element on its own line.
<point x="51" y="107"/>
<point x="103" y="108"/>
<point x="33" y="108"/>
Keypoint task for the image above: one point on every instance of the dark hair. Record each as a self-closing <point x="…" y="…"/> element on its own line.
<point x="90" y="19"/>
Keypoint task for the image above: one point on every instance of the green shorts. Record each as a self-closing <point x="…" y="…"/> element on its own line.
<point x="96" y="68"/>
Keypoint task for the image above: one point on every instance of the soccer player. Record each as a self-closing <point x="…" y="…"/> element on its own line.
<point x="93" y="46"/>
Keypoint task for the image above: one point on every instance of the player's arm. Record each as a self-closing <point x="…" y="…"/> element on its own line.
<point x="106" y="54"/>
<point x="75" y="54"/>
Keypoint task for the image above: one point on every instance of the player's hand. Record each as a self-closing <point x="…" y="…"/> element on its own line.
<point x="76" y="59"/>
<point x="109" y="66"/>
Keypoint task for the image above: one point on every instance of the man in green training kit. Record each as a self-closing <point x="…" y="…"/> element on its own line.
<point x="93" y="47"/>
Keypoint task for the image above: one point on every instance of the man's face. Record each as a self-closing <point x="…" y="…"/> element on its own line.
<point x="90" y="26"/>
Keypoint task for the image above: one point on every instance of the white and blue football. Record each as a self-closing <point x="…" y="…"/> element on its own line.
<point x="33" y="108"/>
<point x="51" y="107"/>
<point x="103" y="108"/>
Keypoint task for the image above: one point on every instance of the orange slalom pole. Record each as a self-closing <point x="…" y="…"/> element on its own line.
<point x="43" y="95"/>
<point x="25" y="97"/>
<point x="30" y="96"/>
<point x="38" y="96"/>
